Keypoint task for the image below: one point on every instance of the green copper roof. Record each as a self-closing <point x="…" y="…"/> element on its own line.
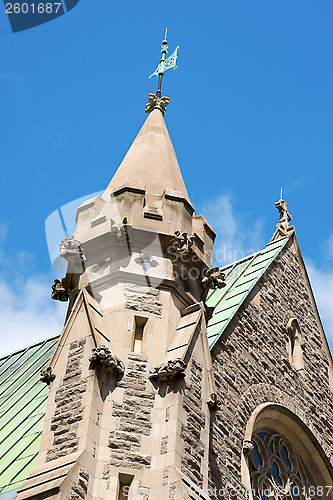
<point x="22" y="409"/>
<point x="241" y="277"/>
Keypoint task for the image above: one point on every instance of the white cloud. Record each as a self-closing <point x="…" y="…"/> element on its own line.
<point x="27" y="313"/>
<point x="322" y="285"/>
<point x="236" y="238"/>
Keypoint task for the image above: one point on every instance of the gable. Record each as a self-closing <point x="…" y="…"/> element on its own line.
<point x="241" y="277"/>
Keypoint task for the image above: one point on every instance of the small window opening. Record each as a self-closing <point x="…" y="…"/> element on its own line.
<point x="140" y="324"/>
<point x="125" y="481"/>
<point x="295" y="344"/>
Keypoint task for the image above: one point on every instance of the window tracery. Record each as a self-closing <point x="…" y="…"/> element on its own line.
<point x="278" y="472"/>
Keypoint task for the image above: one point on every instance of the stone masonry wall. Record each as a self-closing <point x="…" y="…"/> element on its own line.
<point x="143" y="299"/>
<point x="79" y="488"/>
<point x="133" y="418"/>
<point x="69" y="410"/>
<point x="191" y="432"/>
<point x="251" y="366"/>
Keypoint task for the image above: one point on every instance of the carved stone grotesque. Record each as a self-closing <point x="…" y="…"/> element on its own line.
<point x="121" y="233"/>
<point x="103" y="357"/>
<point x="212" y="401"/>
<point x="181" y="243"/>
<point x="248" y="447"/>
<point x="46" y="375"/>
<point x="169" y="371"/>
<point x="60" y="290"/>
<point x="213" y="278"/>
<point x="285" y="216"/>
<point x="155" y="102"/>
<point x="71" y="250"/>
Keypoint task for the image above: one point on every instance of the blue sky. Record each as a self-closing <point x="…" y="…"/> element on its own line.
<point x="250" y="111"/>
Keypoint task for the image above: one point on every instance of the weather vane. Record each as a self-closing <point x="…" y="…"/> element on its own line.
<point x="165" y="64"/>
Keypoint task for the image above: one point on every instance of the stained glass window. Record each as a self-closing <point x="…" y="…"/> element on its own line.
<point x="277" y="471"/>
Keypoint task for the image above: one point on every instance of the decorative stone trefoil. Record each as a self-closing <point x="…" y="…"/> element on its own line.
<point x="102" y="357"/>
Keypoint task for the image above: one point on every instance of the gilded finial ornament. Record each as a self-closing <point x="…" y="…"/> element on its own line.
<point x="156" y="101"/>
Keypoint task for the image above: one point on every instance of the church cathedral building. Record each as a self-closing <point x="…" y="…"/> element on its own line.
<point x="171" y="377"/>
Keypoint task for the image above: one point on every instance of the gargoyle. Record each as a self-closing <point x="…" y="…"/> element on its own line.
<point x="248" y="447"/>
<point x="46" y="375"/>
<point x="71" y="250"/>
<point x="181" y="243"/>
<point x="103" y="357"/>
<point x="60" y="290"/>
<point x="172" y="370"/>
<point x="213" y="278"/>
<point x="121" y="233"/>
<point x="285" y="216"/>
<point x="212" y="401"/>
<point x="282" y="227"/>
<point x="67" y="288"/>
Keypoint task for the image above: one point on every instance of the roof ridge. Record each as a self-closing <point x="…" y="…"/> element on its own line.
<point x="259" y="252"/>
<point x="28" y="347"/>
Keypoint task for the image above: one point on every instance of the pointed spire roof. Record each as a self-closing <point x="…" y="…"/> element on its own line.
<point x="151" y="160"/>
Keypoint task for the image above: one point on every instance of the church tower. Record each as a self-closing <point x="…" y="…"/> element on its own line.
<point x="173" y="378"/>
<point x="131" y="385"/>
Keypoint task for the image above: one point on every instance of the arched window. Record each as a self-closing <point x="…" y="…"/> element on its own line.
<point x="282" y="460"/>
<point x="277" y="471"/>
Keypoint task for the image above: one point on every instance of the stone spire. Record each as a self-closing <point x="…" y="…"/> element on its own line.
<point x="132" y="368"/>
<point x="151" y="160"/>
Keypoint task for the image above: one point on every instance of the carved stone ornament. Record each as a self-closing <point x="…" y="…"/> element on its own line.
<point x="248" y="447"/>
<point x="71" y="250"/>
<point x="282" y="226"/>
<point x="60" y="290"/>
<point x="155" y="102"/>
<point x="103" y="357"/>
<point x="121" y="232"/>
<point x="146" y="262"/>
<point x="213" y="278"/>
<point x="169" y="371"/>
<point x="46" y="375"/>
<point x="212" y="401"/>
<point x="181" y="243"/>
